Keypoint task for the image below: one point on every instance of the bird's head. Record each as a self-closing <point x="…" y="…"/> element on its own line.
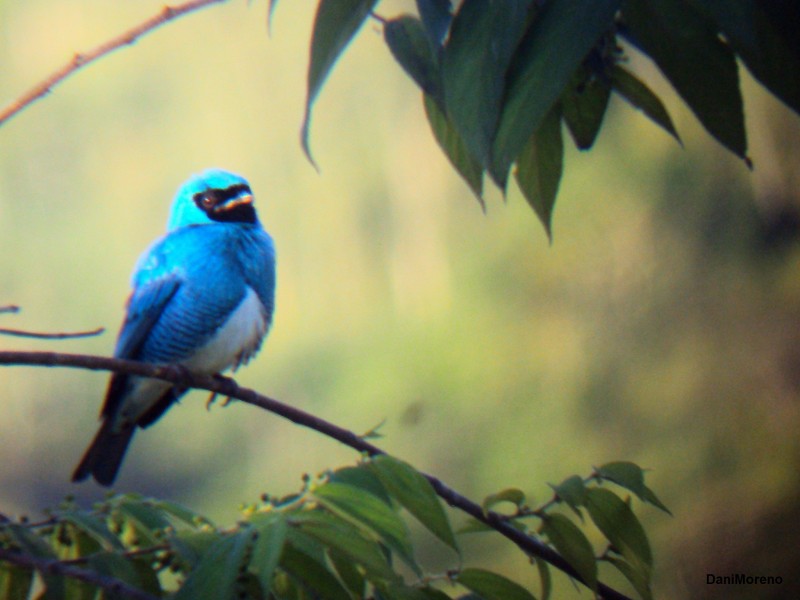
<point x="213" y="196"/>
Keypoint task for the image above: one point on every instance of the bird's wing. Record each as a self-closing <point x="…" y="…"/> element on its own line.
<point x="145" y="306"/>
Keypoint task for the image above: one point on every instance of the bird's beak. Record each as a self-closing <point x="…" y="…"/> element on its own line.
<point x="234" y="202"/>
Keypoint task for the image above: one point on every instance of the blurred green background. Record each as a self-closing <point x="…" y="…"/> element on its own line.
<point x="662" y="326"/>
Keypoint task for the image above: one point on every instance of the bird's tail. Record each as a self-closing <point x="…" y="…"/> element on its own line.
<point x="104" y="455"/>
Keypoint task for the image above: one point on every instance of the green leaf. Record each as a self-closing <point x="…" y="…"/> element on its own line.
<point x="215" y="576"/>
<point x="615" y="519"/>
<point x="584" y="106"/>
<point x="450" y="142"/>
<point x="175" y="511"/>
<point x="415" y="493"/>
<point x="758" y="40"/>
<point x="631" y="477"/>
<point x="268" y="548"/>
<point x="367" y="510"/>
<point x="573" y="545"/>
<point x="436" y="15"/>
<point x="545" y="578"/>
<point x="639" y="580"/>
<point x="313" y="575"/>
<point x="93" y="526"/>
<point x="335" y="24"/>
<point x="640" y="96"/>
<point x="112" y="564"/>
<point x="513" y="495"/>
<point x="491" y="586"/>
<point x="15" y="582"/>
<point x="346" y="540"/>
<point x="32" y="544"/>
<point x="411" y="47"/>
<point x="561" y="36"/>
<point x="572" y="491"/>
<point x="483" y="37"/>
<point x="364" y="478"/>
<point x="700" y="66"/>
<point x="348" y="572"/>
<point x="539" y="168"/>
<point x="142" y="520"/>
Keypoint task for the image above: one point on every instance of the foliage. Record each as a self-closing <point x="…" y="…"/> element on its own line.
<point x="341" y="536"/>
<point x="500" y="78"/>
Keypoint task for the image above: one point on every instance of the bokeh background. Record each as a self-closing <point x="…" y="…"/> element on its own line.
<point x="662" y="325"/>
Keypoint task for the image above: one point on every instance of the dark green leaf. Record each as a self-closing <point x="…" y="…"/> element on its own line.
<point x="650" y="497"/>
<point x="192" y="545"/>
<point x="623" y="473"/>
<point x="483" y="37"/>
<point x="141" y="520"/>
<point x="215" y="575"/>
<point x="572" y="491"/>
<point x="416" y="494"/>
<point x="362" y="477"/>
<point x="345" y="539"/>
<point x="559" y="39"/>
<point x="615" y="519"/>
<point x="491" y="586"/>
<point x="15" y="582"/>
<point x="175" y="511"/>
<point x="454" y="148"/>
<point x="367" y="510"/>
<point x="92" y="525"/>
<point x="584" y="106"/>
<point x="411" y="47"/>
<point x="545" y="578"/>
<point x="700" y="66"/>
<point x="32" y="544"/>
<point x="641" y="97"/>
<point x="639" y="581"/>
<point x="760" y="41"/>
<point x="313" y="575"/>
<point x="539" y="168"/>
<point x="267" y="548"/>
<point x="348" y="572"/>
<point x="335" y="24"/>
<point x="112" y="564"/>
<point x="631" y="477"/>
<point x="512" y="495"/>
<point x="436" y="16"/>
<point x="573" y="545"/>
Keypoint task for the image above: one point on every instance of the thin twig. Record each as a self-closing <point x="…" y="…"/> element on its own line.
<point x="228" y="387"/>
<point x="9" y="309"/>
<point x="49" y="566"/>
<point x="81" y="59"/>
<point x="52" y="336"/>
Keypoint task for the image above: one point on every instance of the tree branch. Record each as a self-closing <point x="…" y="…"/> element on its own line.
<point x="49" y="566"/>
<point x="228" y="387"/>
<point x="81" y="59"/>
<point x="52" y="336"/>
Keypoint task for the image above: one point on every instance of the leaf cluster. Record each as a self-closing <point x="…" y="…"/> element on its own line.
<point x="500" y="79"/>
<point x="342" y="536"/>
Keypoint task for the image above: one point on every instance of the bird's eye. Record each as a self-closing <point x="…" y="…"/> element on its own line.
<point x="207" y="200"/>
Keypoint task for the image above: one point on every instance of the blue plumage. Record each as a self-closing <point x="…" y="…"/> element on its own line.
<point x="203" y="297"/>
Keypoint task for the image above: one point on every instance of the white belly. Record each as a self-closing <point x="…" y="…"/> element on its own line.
<point x="235" y="342"/>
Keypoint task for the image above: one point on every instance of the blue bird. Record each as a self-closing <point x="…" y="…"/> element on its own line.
<point x="203" y="298"/>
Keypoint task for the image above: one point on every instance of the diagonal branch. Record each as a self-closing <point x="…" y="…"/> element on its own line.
<point x="228" y="387"/>
<point x="50" y="566"/>
<point x="81" y="59"/>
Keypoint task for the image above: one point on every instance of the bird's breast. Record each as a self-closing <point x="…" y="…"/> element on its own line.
<point x="236" y="341"/>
